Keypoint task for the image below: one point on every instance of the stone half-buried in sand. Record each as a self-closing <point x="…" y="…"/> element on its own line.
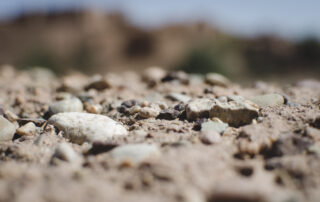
<point x="234" y="112"/>
<point x="84" y="127"/>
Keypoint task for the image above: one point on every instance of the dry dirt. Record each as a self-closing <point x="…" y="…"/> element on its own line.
<point x="275" y="158"/>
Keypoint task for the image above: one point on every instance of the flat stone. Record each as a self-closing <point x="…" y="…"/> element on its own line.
<point x="27" y="129"/>
<point x="84" y="127"/>
<point x="217" y="79"/>
<point x="268" y="100"/>
<point x="213" y="126"/>
<point x="235" y="113"/>
<point x="7" y="129"/>
<point x="134" y="153"/>
<point x="178" y="97"/>
<point x="199" y="108"/>
<point x="67" y="105"/>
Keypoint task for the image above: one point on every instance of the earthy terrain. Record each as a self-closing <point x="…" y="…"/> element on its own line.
<point x="170" y="136"/>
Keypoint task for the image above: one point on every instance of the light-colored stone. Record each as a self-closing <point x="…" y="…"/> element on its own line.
<point x="7" y="129"/>
<point x="66" y="153"/>
<point x="214" y="126"/>
<point x="27" y="129"/>
<point x="268" y="100"/>
<point x="199" y="108"/>
<point x="179" y="97"/>
<point x="134" y="153"/>
<point x="85" y="127"/>
<point x="150" y="112"/>
<point x="235" y="113"/>
<point x="67" y="105"/>
<point x="217" y="79"/>
<point x="153" y="74"/>
<point x="210" y="137"/>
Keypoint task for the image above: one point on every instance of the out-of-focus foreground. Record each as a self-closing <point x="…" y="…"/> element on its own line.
<point x="97" y="42"/>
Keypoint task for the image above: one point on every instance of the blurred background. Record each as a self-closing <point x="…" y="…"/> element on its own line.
<point x="248" y="39"/>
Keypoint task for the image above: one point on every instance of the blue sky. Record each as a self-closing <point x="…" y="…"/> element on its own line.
<point x="289" y="18"/>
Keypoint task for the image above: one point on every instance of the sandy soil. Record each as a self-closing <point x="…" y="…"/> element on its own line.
<point x="275" y="158"/>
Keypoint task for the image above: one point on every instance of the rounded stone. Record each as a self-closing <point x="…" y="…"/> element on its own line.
<point x="85" y="127"/>
<point x="7" y="129"/>
<point x="67" y="105"/>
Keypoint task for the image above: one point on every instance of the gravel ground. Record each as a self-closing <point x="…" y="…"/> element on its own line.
<point x="170" y="136"/>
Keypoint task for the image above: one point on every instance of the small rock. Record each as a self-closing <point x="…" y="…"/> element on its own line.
<point x="235" y="113"/>
<point x="199" y="108"/>
<point x="93" y="108"/>
<point x="37" y="121"/>
<point x="27" y="129"/>
<point x="7" y="129"/>
<point x="152" y="75"/>
<point x="178" y="97"/>
<point x="179" y="76"/>
<point x="210" y="137"/>
<point x="134" y="153"/>
<point x="213" y="126"/>
<point x="84" y="127"/>
<point x="168" y="114"/>
<point x="66" y="153"/>
<point x="151" y="111"/>
<point x="217" y="79"/>
<point x="12" y="117"/>
<point x="268" y="100"/>
<point x="68" y="105"/>
<point x="98" y="82"/>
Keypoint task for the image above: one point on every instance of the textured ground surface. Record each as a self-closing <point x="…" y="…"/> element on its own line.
<point x="274" y="158"/>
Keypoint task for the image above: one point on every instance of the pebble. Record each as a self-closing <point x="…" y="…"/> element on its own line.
<point x="214" y="126"/>
<point x="178" y="97"/>
<point x="98" y="82"/>
<point x="27" y="129"/>
<point x="152" y="75"/>
<point x="178" y="76"/>
<point x="66" y="153"/>
<point x="7" y="129"/>
<point x="235" y="113"/>
<point x="217" y="79"/>
<point x="199" y="108"/>
<point x="168" y="114"/>
<point x="149" y="112"/>
<point x="67" y="105"/>
<point x="268" y="100"/>
<point x="210" y="137"/>
<point x="134" y="153"/>
<point x="85" y="127"/>
<point x="93" y="108"/>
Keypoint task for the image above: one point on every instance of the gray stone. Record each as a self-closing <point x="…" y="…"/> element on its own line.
<point x="179" y="97"/>
<point x="214" y="126"/>
<point x="67" y="105"/>
<point x="268" y="100"/>
<point x="217" y="79"/>
<point x="134" y="153"/>
<point x="84" y="127"/>
<point x="7" y="129"/>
